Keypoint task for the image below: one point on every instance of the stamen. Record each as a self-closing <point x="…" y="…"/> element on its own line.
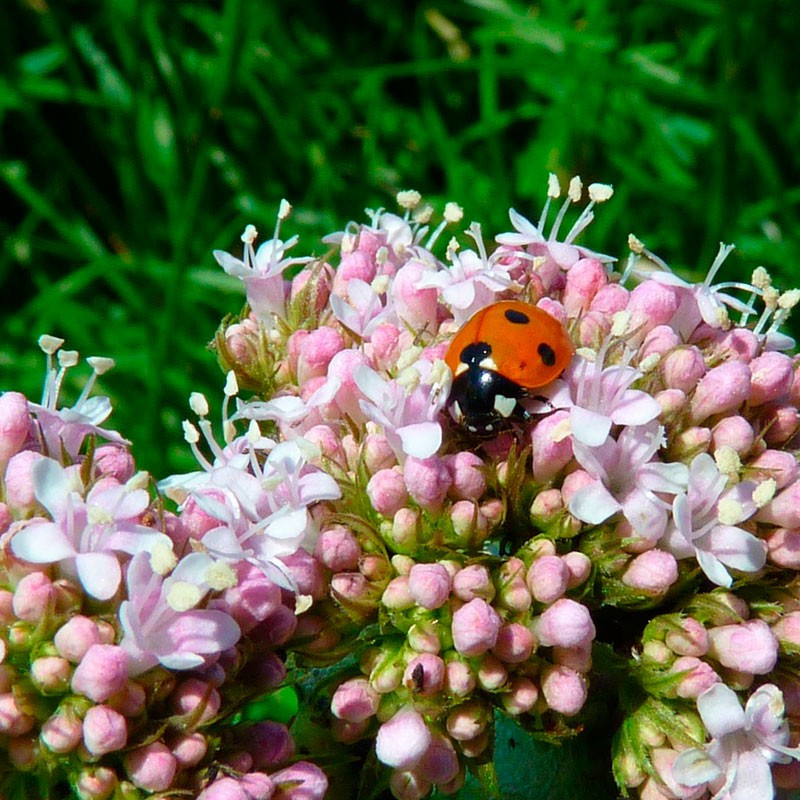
<point x="723" y="252"/>
<point x="559" y="219"/>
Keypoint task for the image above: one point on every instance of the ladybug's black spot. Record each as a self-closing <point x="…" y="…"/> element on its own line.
<point x="475" y="353"/>
<point x="548" y="355"/>
<point x="517" y="317"/>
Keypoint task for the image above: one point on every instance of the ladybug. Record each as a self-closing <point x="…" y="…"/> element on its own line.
<point x="500" y="354"/>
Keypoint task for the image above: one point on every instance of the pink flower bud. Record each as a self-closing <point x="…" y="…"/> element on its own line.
<point x="583" y="281"/>
<point x="723" y="388"/>
<point x="387" y="491"/>
<point x="307" y="573"/>
<point x="338" y="549"/>
<point x="593" y="328"/>
<point x="50" y="673"/>
<point x="13" y="720"/>
<point x="316" y="351"/>
<point x="386" y="346"/>
<point x="492" y="673"/>
<point x="566" y="623"/>
<point x="75" y="637"/>
<point x="652" y="572"/>
<point x="548" y="578"/>
<point x="429" y="585"/>
<point x="15" y="423"/>
<point x="34" y="597"/>
<point x="467" y="475"/>
<point x="440" y="763"/>
<point x="690" y="640"/>
<point x="189" y="749"/>
<point x="114" y="461"/>
<point x="468" y="720"/>
<point x="300" y="781"/>
<point x="783" y="548"/>
<point x="408" y="785"/>
<point x="269" y="743"/>
<point x="513" y="592"/>
<point x="514" y="644"/>
<point x="355" y="700"/>
<point x="672" y="402"/>
<point x="547" y="504"/>
<point x="682" y="368"/>
<point x="428" y="481"/>
<point x="473" y="581"/>
<point x="735" y="432"/>
<point x="553" y="308"/>
<point x="424" y="675"/>
<point x="781" y="423"/>
<point x="402" y="741"/>
<point x="104" y="730"/>
<point x="397" y="595"/>
<point x="787" y="628"/>
<point x="377" y="453"/>
<point x="151" y="767"/>
<point x="578" y="658"/>
<point x="739" y="344"/>
<point x="475" y="628"/>
<point x="62" y="732"/>
<point x="749" y="647"/>
<point x="699" y="677"/>
<point x="521" y="696"/>
<point x="579" y="566"/>
<point x="573" y="482"/>
<point x="356" y="264"/>
<point x="564" y="690"/>
<point x="23" y="753"/>
<point x="651" y="304"/>
<point x="658" y="341"/>
<point x="130" y="701"/>
<point x="96" y="783"/>
<point x="779" y="465"/>
<point x="610" y="299"/>
<point x="771" y="377"/>
<point x="690" y="442"/>
<point x="19" y="480"/>
<point x="101" y="673"/>
<point x="552" y="446"/>
<point x="196" y="698"/>
<point x="314" y="285"/>
<point x="475" y="747"/>
<point x="254" y="598"/>
<point x="459" y="679"/>
<point x="328" y="442"/>
<point x="784" y="509"/>
<point x="415" y="306"/>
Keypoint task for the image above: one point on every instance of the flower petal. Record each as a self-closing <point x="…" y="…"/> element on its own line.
<point x="99" y="573"/>
<point x="693" y="767"/>
<point x="420" y="440"/>
<point x="42" y="543"/>
<point x="635" y="408"/>
<point x="721" y="710"/>
<point x="593" y="504"/>
<point x="713" y="568"/>
<point x="589" y="427"/>
<point x="736" y="548"/>
<point x="753" y="777"/>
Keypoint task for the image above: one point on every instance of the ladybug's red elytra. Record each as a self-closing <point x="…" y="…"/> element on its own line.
<point x="500" y="354"/>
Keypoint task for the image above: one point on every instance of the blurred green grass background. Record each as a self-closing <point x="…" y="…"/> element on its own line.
<point x="138" y="135"/>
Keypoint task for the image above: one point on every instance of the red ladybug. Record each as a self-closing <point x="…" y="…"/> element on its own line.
<point x="500" y="354"/>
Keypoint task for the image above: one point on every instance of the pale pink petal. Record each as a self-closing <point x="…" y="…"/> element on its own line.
<point x="420" y="440"/>
<point x="459" y="295"/>
<point x="646" y="517"/>
<point x="318" y="486"/>
<point x="589" y="427"/>
<point x="100" y="574"/>
<point x="197" y="631"/>
<point x="736" y="547"/>
<point x="371" y="385"/>
<point x="656" y="477"/>
<point x="52" y="485"/>
<point x="635" y="408"/>
<point x="761" y="716"/>
<point x="42" y="543"/>
<point x="721" y="710"/>
<point x="713" y="568"/>
<point x="753" y="777"/>
<point x="694" y="767"/>
<point x="593" y="504"/>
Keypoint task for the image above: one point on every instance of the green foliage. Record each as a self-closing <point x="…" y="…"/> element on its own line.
<point x="138" y="136"/>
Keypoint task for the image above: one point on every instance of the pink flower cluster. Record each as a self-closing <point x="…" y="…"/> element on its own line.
<point x="344" y="511"/>
<point x="123" y="650"/>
